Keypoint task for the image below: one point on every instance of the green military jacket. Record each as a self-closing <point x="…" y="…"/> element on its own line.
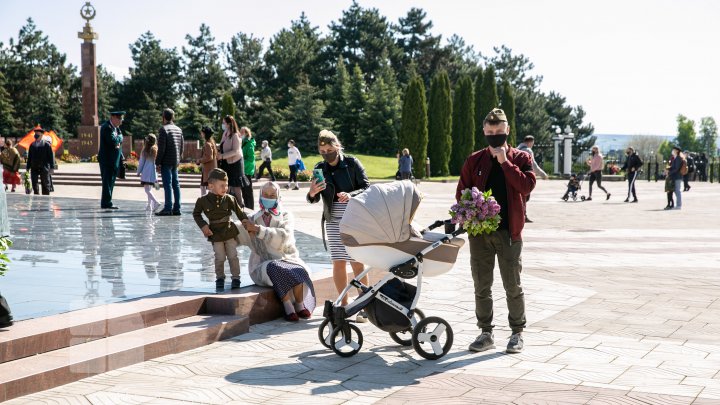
<point x="218" y="210"/>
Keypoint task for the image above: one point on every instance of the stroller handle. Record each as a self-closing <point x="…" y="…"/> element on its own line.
<point x="449" y="227"/>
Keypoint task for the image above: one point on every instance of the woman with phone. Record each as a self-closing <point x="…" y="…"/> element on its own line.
<point x="336" y="179"/>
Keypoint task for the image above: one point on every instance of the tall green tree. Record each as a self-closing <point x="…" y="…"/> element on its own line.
<point x="337" y="95"/>
<point x="7" y="118"/>
<point x="357" y="103"/>
<point x="708" y="136"/>
<point x="488" y="100"/>
<point x="243" y="57"/>
<point x="417" y="42"/>
<point x="382" y="115"/>
<point x="227" y="106"/>
<point x="463" y="128"/>
<point x="303" y="118"/>
<point x="267" y="121"/>
<point x="108" y="88"/>
<point x="508" y="105"/>
<point x="440" y="113"/>
<point x="413" y="130"/>
<point x="686" y="137"/>
<point x="479" y="114"/>
<point x="563" y="115"/>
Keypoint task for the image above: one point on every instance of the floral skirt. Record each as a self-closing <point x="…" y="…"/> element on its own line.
<point x="285" y="275"/>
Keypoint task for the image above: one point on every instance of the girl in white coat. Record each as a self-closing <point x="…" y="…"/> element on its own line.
<point x="274" y="259"/>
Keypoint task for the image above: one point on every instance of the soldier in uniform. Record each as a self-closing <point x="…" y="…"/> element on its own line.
<point x="110" y="156"/>
<point x="218" y="206"/>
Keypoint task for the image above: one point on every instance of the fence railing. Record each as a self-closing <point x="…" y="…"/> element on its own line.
<point x="704" y="171"/>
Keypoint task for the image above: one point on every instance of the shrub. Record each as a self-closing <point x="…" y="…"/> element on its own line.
<point x="93" y="159"/>
<point x="5" y="244"/>
<point x="304" y="175"/>
<point x="131" y="164"/>
<point x="69" y="158"/>
<point x="188" y="168"/>
<point x="280" y="174"/>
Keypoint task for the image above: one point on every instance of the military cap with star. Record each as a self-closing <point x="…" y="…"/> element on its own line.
<point x="496" y="115"/>
<point x="117" y="113"/>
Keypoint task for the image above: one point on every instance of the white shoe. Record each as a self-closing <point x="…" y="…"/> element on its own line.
<point x="155" y="205"/>
<point x="361" y="317"/>
<point x="148" y="207"/>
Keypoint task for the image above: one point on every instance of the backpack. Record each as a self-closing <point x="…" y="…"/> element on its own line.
<point x="683" y="167"/>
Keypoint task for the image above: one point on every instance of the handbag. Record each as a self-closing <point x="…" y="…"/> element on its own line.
<point x="300" y="165"/>
<point x="122" y="169"/>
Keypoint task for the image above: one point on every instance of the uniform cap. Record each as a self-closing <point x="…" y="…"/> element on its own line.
<point x="496" y="115"/>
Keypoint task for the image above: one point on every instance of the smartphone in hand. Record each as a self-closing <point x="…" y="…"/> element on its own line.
<point x="318" y="174"/>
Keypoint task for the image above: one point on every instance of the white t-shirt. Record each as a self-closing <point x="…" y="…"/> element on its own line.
<point x="293" y="156"/>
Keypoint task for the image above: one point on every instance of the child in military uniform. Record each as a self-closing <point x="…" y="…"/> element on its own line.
<point x="218" y="207"/>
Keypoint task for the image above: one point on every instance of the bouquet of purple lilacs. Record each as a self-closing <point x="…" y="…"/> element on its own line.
<point x="477" y="212"/>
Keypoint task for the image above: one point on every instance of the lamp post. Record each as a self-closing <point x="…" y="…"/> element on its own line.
<point x="567" y="140"/>
<point x="556" y="148"/>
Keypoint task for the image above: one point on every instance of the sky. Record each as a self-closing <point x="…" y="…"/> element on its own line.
<point x="633" y="65"/>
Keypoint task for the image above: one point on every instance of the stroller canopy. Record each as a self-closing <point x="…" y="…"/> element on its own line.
<point x="382" y="214"/>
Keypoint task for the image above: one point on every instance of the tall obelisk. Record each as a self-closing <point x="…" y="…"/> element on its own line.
<point x="88" y="131"/>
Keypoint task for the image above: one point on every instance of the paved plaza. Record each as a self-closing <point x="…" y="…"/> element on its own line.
<point x="623" y="307"/>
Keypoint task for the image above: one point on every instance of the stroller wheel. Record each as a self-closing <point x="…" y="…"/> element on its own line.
<point x="582" y="198"/>
<point x="405" y="337"/>
<point x="344" y="344"/>
<point x="324" y="332"/>
<point x="432" y="338"/>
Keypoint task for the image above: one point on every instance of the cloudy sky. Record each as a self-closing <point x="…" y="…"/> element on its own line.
<point x="632" y="64"/>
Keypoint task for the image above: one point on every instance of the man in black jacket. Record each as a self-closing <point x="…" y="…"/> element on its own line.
<point x="632" y="167"/>
<point x="110" y="156"/>
<point x="691" y="170"/>
<point x="39" y="162"/>
<point x="170" y="149"/>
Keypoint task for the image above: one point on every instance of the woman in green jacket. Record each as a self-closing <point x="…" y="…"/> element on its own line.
<point x="248" y="149"/>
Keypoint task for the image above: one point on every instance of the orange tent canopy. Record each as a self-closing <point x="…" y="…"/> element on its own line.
<point x="55" y="141"/>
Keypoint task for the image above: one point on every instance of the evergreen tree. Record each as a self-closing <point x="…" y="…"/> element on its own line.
<point x="508" y="105"/>
<point x="7" y="118"/>
<point x="488" y="100"/>
<point x="304" y="116"/>
<point x="708" y="136"/>
<point x="338" y="96"/>
<point x="357" y="102"/>
<point x="479" y="114"/>
<point x="228" y="105"/>
<point x="463" y="129"/>
<point x="413" y="131"/>
<point x="686" y="133"/>
<point x="382" y="117"/>
<point x="562" y="115"/>
<point x="147" y="119"/>
<point x="417" y="43"/>
<point x="267" y="121"/>
<point x="107" y="87"/>
<point x="243" y="55"/>
<point x="440" y="114"/>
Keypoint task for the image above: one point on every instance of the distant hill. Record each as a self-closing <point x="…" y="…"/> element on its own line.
<point x="612" y="142"/>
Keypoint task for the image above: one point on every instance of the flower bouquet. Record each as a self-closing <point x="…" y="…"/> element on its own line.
<point x="26" y="182"/>
<point x="477" y="212"/>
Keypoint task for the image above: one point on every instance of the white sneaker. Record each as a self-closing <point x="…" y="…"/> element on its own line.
<point x="361" y="317"/>
<point x="148" y="207"/>
<point x="155" y="205"/>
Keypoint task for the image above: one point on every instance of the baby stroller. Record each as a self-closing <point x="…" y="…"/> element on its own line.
<point x="376" y="230"/>
<point x="574" y="193"/>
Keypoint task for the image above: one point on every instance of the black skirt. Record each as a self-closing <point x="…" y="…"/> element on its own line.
<point x="235" y="172"/>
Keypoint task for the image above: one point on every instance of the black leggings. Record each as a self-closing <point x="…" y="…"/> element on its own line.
<point x="596" y="176"/>
<point x="293" y="174"/>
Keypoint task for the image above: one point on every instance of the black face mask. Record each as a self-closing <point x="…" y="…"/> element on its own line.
<point x="497" y="140"/>
<point x="330" y="156"/>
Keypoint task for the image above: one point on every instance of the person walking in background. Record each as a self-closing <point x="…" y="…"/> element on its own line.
<point x="109" y="156"/>
<point x="208" y="158"/>
<point x="677" y="170"/>
<point x="170" y="150"/>
<point x="690" y="170"/>
<point x="218" y="207"/>
<point x="509" y="174"/>
<point x="230" y="157"/>
<point x="669" y="184"/>
<point x="405" y="165"/>
<point x="266" y="157"/>
<point x="10" y="158"/>
<point x="147" y="170"/>
<point x="248" y="148"/>
<point x="293" y="157"/>
<point x="343" y="178"/>
<point x="632" y="167"/>
<point x="596" y="163"/>
<point x="39" y="162"/>
<point x="526" y="146"/>
<point x="701" y="166"/>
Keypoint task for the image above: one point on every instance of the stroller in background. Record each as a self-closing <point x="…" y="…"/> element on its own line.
<point x="574" y="193"/>
<point x="376" y="230"/>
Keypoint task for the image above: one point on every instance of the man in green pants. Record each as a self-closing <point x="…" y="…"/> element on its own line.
<point x="109" y="156"/>
<point x="508" y="172"/>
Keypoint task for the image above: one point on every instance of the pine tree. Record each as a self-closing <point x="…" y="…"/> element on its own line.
<point x="7" y="120"/>
<point x="337" y="96"/>
<point x="440" y="112"/>
<point x="228" y="105"/>
<point x="205" y="79"/>
<point x="463" y="130"/>
<point x="381" y="120"/>
<point x="357" y="102"/>
<point x="479" y="115"/>
<point x="488" y="100"/>
<point x="304" y="116"/>
<point x="413" y="131"/>
<point x="508" y="105"/>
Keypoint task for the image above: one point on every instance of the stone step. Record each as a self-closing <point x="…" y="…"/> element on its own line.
<point x="48" y="370"/>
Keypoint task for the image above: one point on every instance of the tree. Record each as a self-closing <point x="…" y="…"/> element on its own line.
<point x="7" y="118"/>
<point x="479" y="113"/>
<point x="267" y="121"/>
<point x="227" y="106"/>
<point x="440" y="114"/>
<point x="563" y="115"/>
<point x="382" y="114"/>
<point x="417" y="43"/>
<point x="463" y="124"/>
<point x="337" y="95"/>
<point x="243" y="56"/>
<point x="645" y="145"/>
<point x="686" y="133"/>
<point x="488" y="100"/>
<point x="508" y="105"/>
<point x="357" y="102"/>
<point x="708" y="136"/>
<point x="108" y="88"/>
<point x="413" y="131"/>
<point x="304" y="116"/>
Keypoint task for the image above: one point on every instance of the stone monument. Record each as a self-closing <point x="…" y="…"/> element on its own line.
<point x="88" y="131"/>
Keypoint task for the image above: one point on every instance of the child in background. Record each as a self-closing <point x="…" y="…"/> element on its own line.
<point x="146" y="170"/>
<point x="572" y="187"/>
<point x="218" y="206"/>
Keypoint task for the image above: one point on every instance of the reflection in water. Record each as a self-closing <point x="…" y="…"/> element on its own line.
<point x="82" y="256"/>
